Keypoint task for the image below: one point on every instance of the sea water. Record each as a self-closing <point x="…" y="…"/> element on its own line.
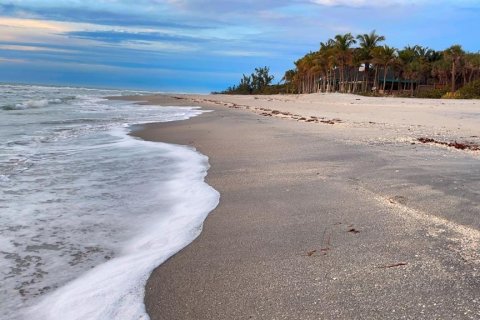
<point x="86" y="210"/>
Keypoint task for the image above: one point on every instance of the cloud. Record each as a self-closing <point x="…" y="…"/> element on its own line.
<point x="9" y="60"/>
<point x="220" y="36"/>
<point x="392" y="3"/>
<point x="119" y="36"/>
<point x="242" y="53"/>
<point x="33" y="24"/>
<point x="367" y="3"/>
<point x="126" y="12"/>
<point x="16" y="47"/>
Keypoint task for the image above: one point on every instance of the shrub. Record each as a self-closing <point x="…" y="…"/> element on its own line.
<point x="402" y="94"/>
<point x="451" y="95"/>
<point x="431" y="93"/>
<point x="368" y="94"/>
<point x="256" y="83"/>
<point x="469" y="91"/>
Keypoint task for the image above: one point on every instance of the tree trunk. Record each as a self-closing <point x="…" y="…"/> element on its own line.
<point x="355" y="81"/>
<point x="340" y="77"/>
<point x="363" y="81"/>
<point x="453" y="76"/>
<point x="367" y="75"/>
<point x="334" y="81"/>
<point x="313" y="83"/>
<point x="384" y="78"/>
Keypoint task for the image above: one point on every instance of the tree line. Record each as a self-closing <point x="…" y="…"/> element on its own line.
<point x="365" y="64"/>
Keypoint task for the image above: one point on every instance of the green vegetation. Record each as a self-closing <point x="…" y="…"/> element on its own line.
<point x="363" y="64"/>
<point x="257" y="83"/>
<point x="431" y="93"/>
<point x="469" y="91"/>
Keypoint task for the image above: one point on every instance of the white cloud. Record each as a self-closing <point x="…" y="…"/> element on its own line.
<point x="242" y="53"/>
<point x="8" y="60"/>
<point x="32" y="48"/>
<point x="368" y="3"/>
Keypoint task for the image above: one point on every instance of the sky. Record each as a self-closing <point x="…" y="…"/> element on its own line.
<point x="204" y="45"/>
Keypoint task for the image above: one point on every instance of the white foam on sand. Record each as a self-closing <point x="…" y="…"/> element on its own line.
<point x="115" y="289"/>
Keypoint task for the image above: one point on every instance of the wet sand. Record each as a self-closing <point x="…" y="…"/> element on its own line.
<point x="351" y="220"/>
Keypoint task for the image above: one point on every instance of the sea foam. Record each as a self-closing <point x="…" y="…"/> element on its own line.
<point x="87" y="211"/>
<point x="115" y="289"/>
<point x="31" y="104"/>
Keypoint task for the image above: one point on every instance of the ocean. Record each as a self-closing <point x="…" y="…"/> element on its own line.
<point x="86" y="210"/>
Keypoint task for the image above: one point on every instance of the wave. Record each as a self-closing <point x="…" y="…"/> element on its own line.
<point x="37" y="103"/>
<point x="78" y="181"/>
<point x="13" y="167"/>
<point x="9" y="107"/>
<point x="115" y="289"/>
<point x="75" y="121"/>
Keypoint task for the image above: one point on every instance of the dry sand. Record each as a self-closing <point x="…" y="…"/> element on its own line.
<point x="350" y="220"/>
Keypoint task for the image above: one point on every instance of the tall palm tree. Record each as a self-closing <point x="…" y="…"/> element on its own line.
<point x="343" y="54"/>
<point x="385" y="56"/>
<point x="327" y="59"/>
<point x="368" y="42"/>
<point x="455" y="55"/>
<point x="406" y="56"/>
<point x="424" y="56"/>
<point x="289" y="78"/>
<point x="356" y="64"/>
<point x="308" y="71"/>
<point x="413" y="71"/>
<point x="472" y="66"/>
<point x="440" y="70"/>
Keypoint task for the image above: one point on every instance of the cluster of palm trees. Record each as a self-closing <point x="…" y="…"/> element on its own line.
<point x="364" y="64"/>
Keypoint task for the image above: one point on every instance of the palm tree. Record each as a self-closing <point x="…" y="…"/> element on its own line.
<point x="368" y="42"/>
<point x="413" y="71"/>
<point x="356" y="64"/>
<point x="327" y="55"/>
<point x="343" y="54"/>
<point x="406" y="56"/>
<point x="440" y="70"/>
<point x="336" y="58"/>
<point x="472" y="66"/>
<point x="289" y="78"/>
<point x="309" y="68"/>
<point x="425" y="57"/>
<point x="455" y="55"/>
<point x="385" y="56"/>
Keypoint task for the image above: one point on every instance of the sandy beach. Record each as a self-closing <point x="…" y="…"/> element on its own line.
<point x="330" y="208"/>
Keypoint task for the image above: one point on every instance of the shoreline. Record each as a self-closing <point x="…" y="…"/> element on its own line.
<point x="138" y="238"/>
<point x="309" y="211"/>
